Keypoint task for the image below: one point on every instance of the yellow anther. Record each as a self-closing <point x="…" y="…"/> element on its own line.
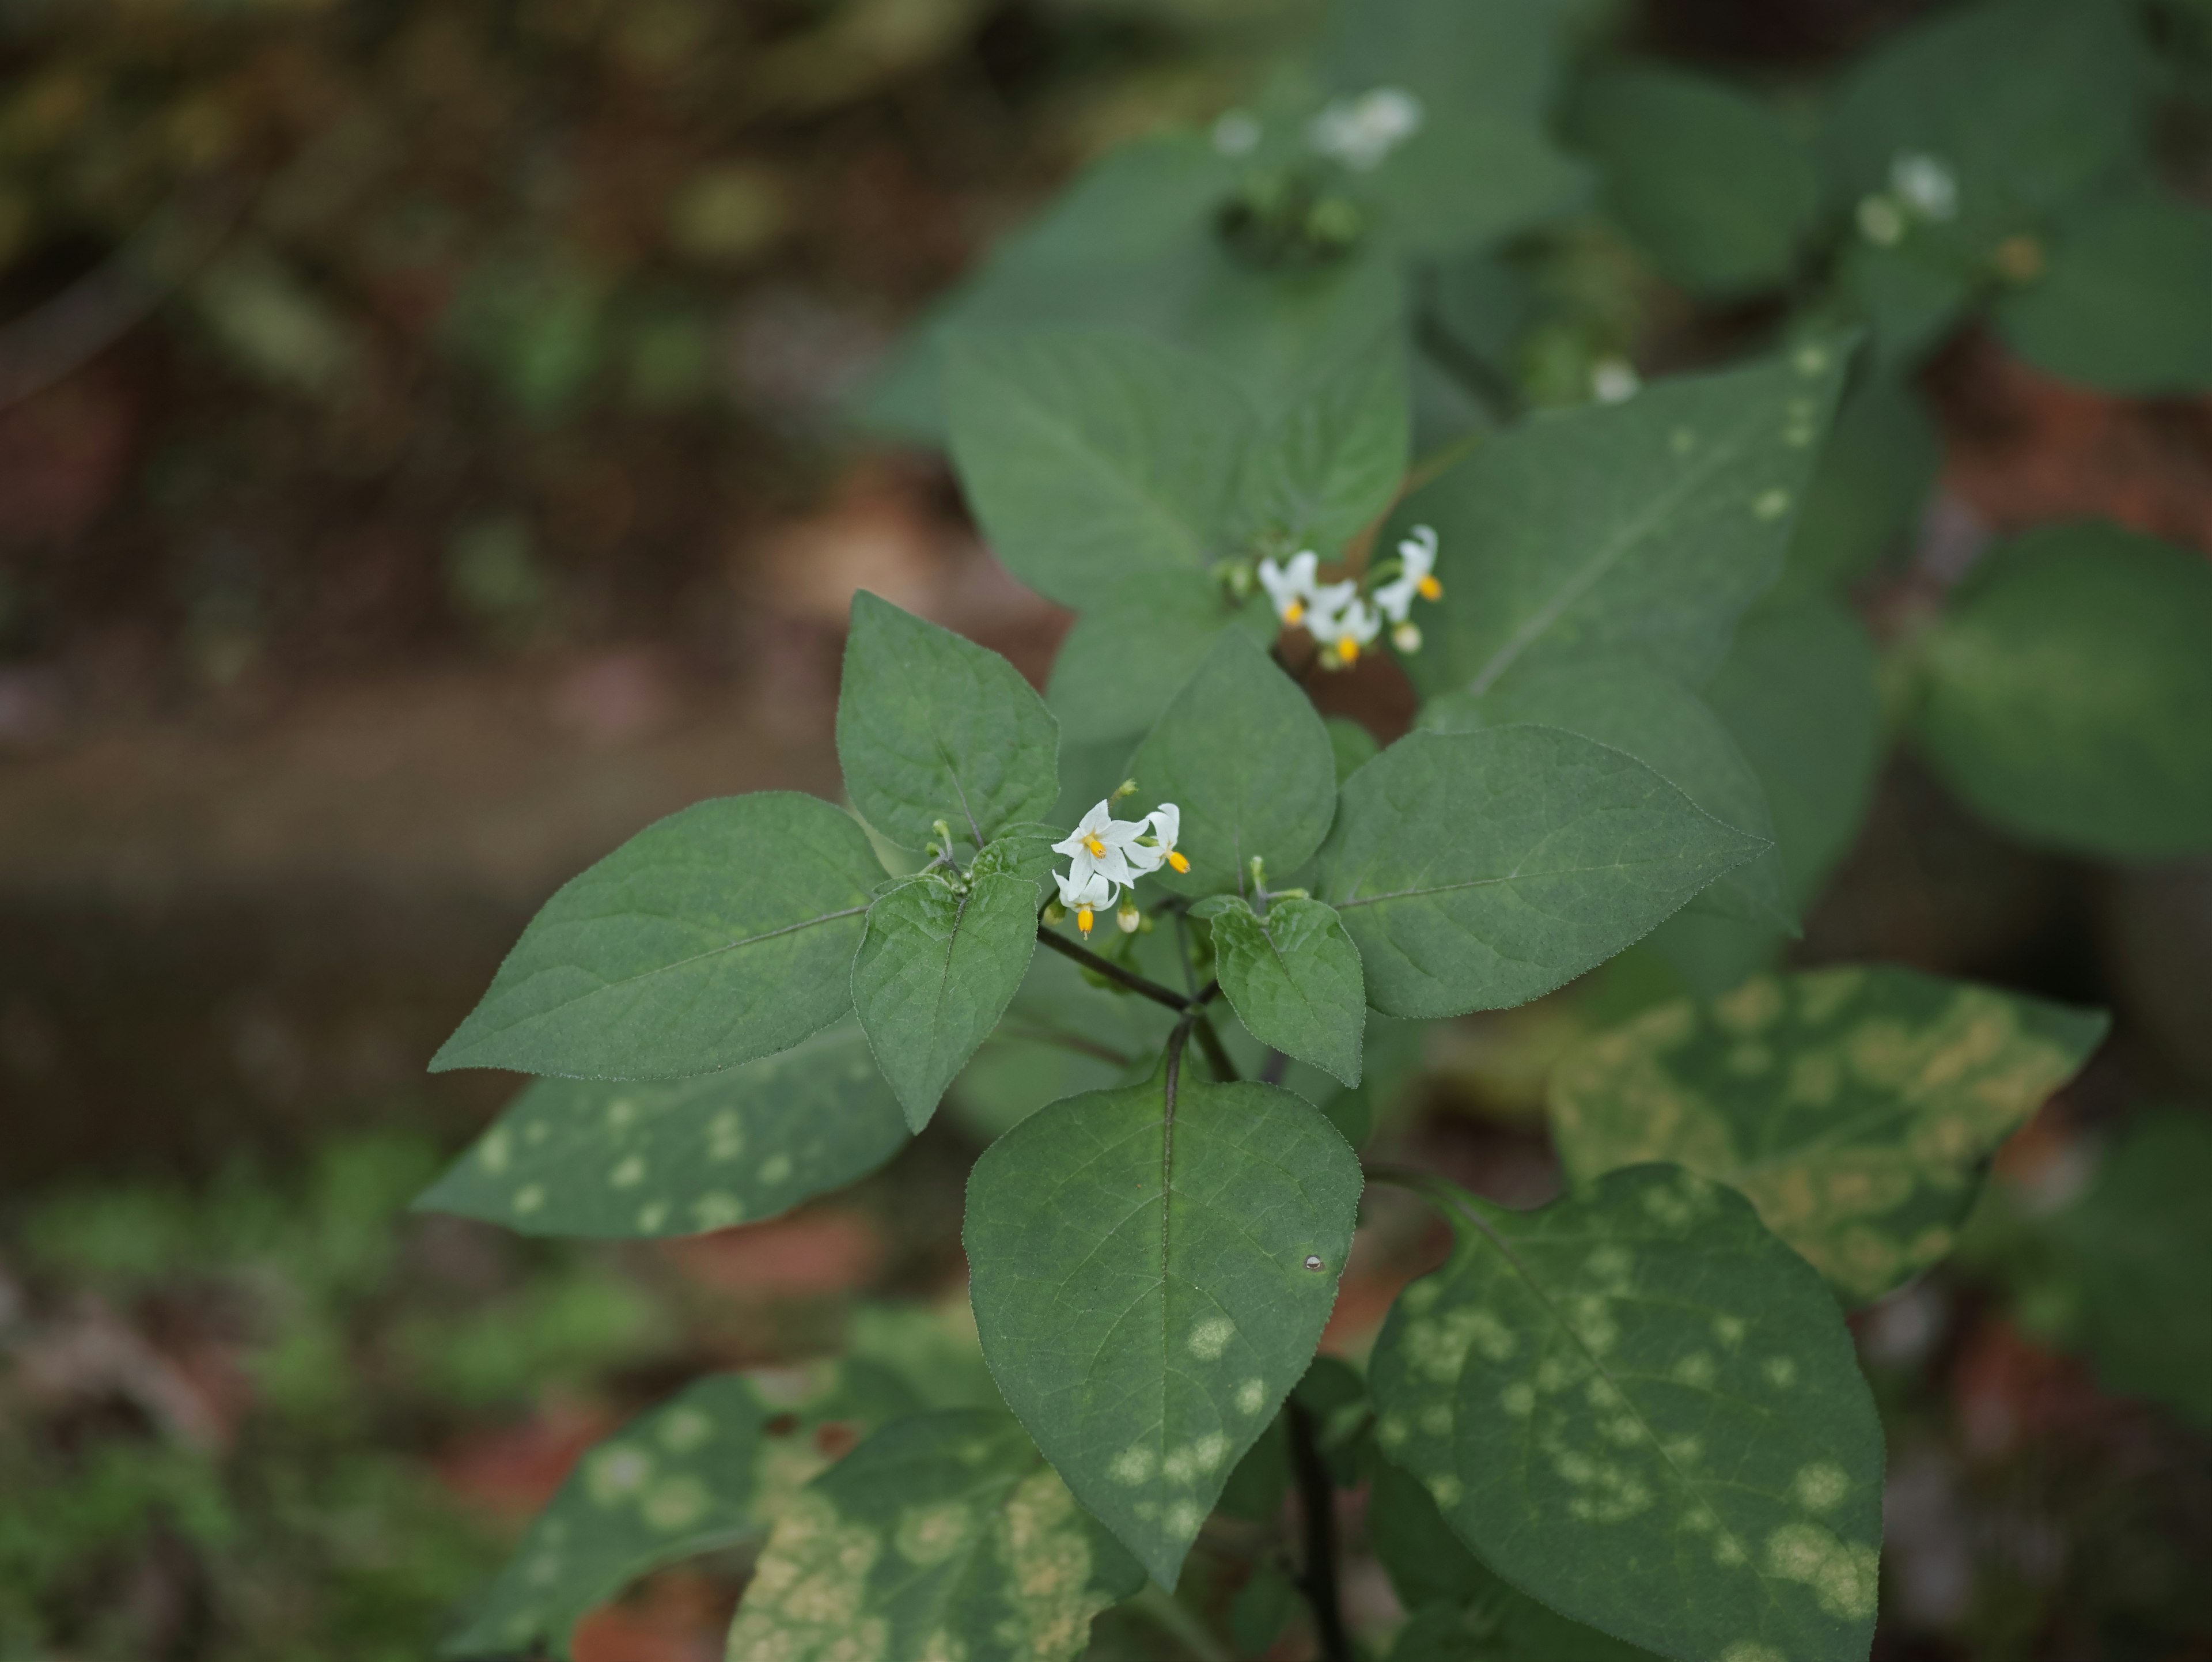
<point x="1294" y="612"/>
<point x="1348" y="650"/>
<point x="1176" y="859"/>
<point x="1083" y="919"/>
<point x="1098" y="849"/>
<point x="1429" y="589"/>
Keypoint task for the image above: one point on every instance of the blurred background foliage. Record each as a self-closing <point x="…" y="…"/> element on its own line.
<point x="424" y="458"/>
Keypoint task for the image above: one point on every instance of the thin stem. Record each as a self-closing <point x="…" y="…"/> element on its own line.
<point x="1317" y="1511"/>
<point x="1112" y="971"/>
<point x="1216" y="1057"/>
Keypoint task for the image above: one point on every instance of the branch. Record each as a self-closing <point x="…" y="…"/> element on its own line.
<point x="1112" y="971"/>
<point x="1317" y="1511"/>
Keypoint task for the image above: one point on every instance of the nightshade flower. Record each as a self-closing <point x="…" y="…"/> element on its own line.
<point x="1166" y="821"/>
<point x="1084" y="895"/>
<point x="1101" y="843"/>
<point x="1360" y="132"/>
<point x="1347" y="626"/>
<point x="1291" y="587"/>
<point x="1417" y="551"/>
<point x="1926" y="184"/>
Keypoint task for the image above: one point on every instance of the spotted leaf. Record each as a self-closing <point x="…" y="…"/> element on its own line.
<point x="711" y="1468"/>
<point x="1855" y="1107"/>
<point x="718" y="934"/>
<point x="1643" y="1409"/>
<point x="1650" y="524"/>
<point x="1151" y="1269"/>
<point x="945" y="1536"/>
<point x="634" y="1159"/>
<point x="1477" y="870"/>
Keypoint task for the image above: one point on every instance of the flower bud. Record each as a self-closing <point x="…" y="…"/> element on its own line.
<point x="1127" y="916"/>
<point x="1406" y="637"/>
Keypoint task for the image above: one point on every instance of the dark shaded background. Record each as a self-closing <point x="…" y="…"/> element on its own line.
<point x="420" y="467"/>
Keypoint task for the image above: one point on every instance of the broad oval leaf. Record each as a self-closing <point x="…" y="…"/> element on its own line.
<point x="710" y="1468"/>
<point x="2121" y="303"/>
<point x="1651" y="524"/>
<point x="1242" y="752"/>
<point x="2068" y="692"/>
<point x="1855" y="1107"/>
<point x="944" y="1536"/>
<point x="939" y="963"/>
<point x="1091" y="457"/>
<point x="1642" y="1409"/>
<point x="643" y="1159"/>
<point x="1122" y="663"/>
<point x="932" y="728"/>
<point x="1624" y="701"/>
<point x="1331" y="461"/>
<point x="716" y="935"/>
<point x="1294" y="978"/>
<point x="1149" y="1279"/>
<point x="1477" y="870"/>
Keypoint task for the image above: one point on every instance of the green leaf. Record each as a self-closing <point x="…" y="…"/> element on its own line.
<point x="626" y="1159"/>
<point x="1092" y="458"/>
<point x="710" y="1468"/>
<point x="941" y="961"/>
<point x="1477" y="870"/>
<point x="2139" y="1245"/>
<point x="1293" y="977"/>
<point x="1624" y="701"/>
<point x="1875" y="471"/>
<point x="1349" y="743"/>
<point x="1060" y="1036"/>
<point x="942" y="1536"/>
<point x="1139" y="1272"/>
<point x="1706" y="179"/>
<point x="2120" y="305"/>
<point x="1332" y="460"/>
<point x="2028" y="103"/>
<point x="2067" y="689"/>
<point x="1124" y="660"/>
<point x="933" y="728"/>
<point x="1855" y="1107"/>
<point x="1242" y="752"/>
<point x="718" y="934"/>
<point x="1651" y="524"/>
<point x="1639" y="1406"/>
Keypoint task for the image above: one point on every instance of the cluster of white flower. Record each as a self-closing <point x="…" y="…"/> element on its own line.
<point x="1338" y="616"/>
<point x="1360" y="132"/>
<point x="1107" y="856"/>
<point x="1921" y="187"/>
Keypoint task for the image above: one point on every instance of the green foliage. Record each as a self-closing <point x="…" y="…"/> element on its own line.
<point x="2120" y="303"/>
<point x="1651" y="524"/>
<point x="1129" y="654"/>
<point x="2065" y="693"/>
<point x="719" y="935"/>
<point x="1642" y="1408"/>
<point x="1242" y="752"/>
<point x="944" y="1535"/>
<point x="1875" y="471"/>
<point x="1148" y="1290"/>
<point x="1714" y="186"/>
<point x="711" y="1467"/>
<point x="1854" y="1108"/>
<point x="934" y="729"/>
<point x="630" y="1159"/>
<point x="1428" y="864"/>
<point x="1294" y="978"/>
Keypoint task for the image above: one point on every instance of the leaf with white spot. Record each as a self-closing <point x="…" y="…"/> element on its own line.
<point x="1293" y="977"/>
<point x="941" y="961"/>
<point x="716" y="935"/>
<point x="944" y="1536"/>
<point x="1477" y="870"/>
<point x="1151" y="1269"/>
<point x="711" y="1468"/>
<point x="932" y="728"/>
<point x="1855" y="1107"/>
<point x="1642" y="1409"/>
<point x="1650" y="524"/>
<point x="1242" y="752"/>
<point x="643" y="1159"/>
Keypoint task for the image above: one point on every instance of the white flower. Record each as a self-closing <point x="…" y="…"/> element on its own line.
<point x="1084" y="893"/>
<point x="1614" y="381"/>
<point x="1166" y="821"/>
<point x="1344" y="629"/>
<point x="1236" y="133"/>
<point x="1360" y="132"/>
<point x="1103" y="844"/>
<point x="1291" y="587"/>
<point x="1926" y="183"/>
<point x="1418" y="550"/>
